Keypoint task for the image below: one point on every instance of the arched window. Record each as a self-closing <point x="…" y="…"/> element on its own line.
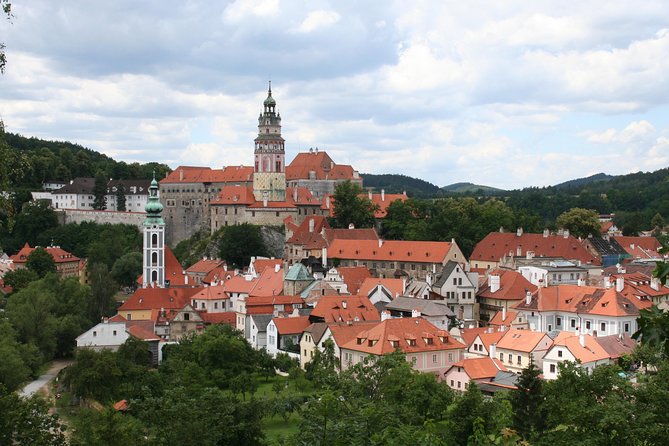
<point x="154" y="240"/>
<point x="154" y="258"/>
<point x="154" y="276"/>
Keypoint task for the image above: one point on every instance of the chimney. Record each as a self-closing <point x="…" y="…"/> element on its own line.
<point x="620" y="284"/>
<point x="343" y="304"/>
<point x="655" y="283"/>
<point x="529" y="255"/>
<point x="383" y="195"/>
<point x="369" y="194"/>
<point x="277" y="267"/>
<point x="181" y="174"/>
<point x="295" y="194"/>
<point x="264" y="201"/>
<point x="579" y="282"/>
<point x="528" y="297"/>
<point x="546" y="233"/>
<point x="565" y="233"/>
<point x="503" y="313"/>
<point x="327" y="202"/>
<point x="428" y="279"/>
<point x="415" y="313"/>
<point x="312" y="224"/>
<point x="581" y="339"/>
<point x="494" y="281"/>
<point x="385" y="315"/>
<point x="404" y="192"/>
<point x="492" y="351"/>
<point x="519" y="251"/>
<point x="380" y="243"/>
<point x="519" y="232"/>
<point x="351" y="226"/>
<point x="324" y="257"/>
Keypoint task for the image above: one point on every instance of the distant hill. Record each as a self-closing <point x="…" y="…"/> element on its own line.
<point x="397" y="183"/>
<point x="596" y="178"/>
<point x="461" y="188"/>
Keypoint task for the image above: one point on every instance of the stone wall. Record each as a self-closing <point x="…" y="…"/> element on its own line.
<point x="66" y="216"/>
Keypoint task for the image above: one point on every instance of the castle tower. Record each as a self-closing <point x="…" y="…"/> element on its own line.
<point x="154" y="241"/>
<point x="269" y="177"/>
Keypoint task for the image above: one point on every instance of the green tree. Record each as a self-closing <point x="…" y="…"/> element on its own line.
<point x="351" y="206"/>
<point x="107" y="428"/>
<point x="127" y="269"/>
<point x="95" y="375"/>
<point x="20" y="278"/>
<point x="28" y="421"/>
<point x="527" y="402"/>
<point x="41" y="262"/>
<point x="7" y="10"/>
<point x="99" y="191"/>
<point x="239" y="242"/>
<point x="324" y="366"/>
<point x="34" y="218"/>
<point x="103" y="290"/>
<point x="13" y="369"/>
<point x="580" y="222"/>
<point x="120" y="197"/>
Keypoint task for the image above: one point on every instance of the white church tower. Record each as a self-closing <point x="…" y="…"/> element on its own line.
<point x="154" y="241"/>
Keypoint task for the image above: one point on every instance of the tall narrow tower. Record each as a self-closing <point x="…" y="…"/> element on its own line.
<point x="269" y="177"/>
<point x="154" y="241"/>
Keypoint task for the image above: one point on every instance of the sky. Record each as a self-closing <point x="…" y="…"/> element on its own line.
<point x="507" y="94"/>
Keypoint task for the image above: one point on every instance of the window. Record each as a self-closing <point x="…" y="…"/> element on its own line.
<point x="587" y="325"/>
<point x="558" y="321"/>
<point x="413" y="360"/>
<point x="452" y="383"/>
<point x="459" y="384"/>
<point x="519" y="360"/>
<point x="510" y="358"/>
<point x="501" y="357"/>
<point x="114" y="332"/>
<point x="95" y="333"/>
<point x="186" y="316"/>
<point x="434" y="359"/>
<point x="559" y="352"/>
<point x="602" y="326"/>
<point x="271" y="340"/>
<point x="450" y="357"/>
<point x="552" y="368"/>
<point x="572" y="323"/>
<point x="627" y="327"/>
<point x="455" y="281"/>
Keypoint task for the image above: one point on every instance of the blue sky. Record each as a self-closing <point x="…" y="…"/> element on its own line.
<point x="507" y="94"/>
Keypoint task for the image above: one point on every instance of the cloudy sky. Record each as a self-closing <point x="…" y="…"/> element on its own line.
<point x="507" y="94"/>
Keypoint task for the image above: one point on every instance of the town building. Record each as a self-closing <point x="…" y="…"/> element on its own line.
<point x="67" y="265"/>
<point x="458" y="288"/>
<point x="316" y="171"/>
<point x="476" y="370"/>
<point x="502" y="290"/>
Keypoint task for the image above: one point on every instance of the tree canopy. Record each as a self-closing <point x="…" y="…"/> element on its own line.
<point x="351" y="206"/>
<point x="580" y="222"/>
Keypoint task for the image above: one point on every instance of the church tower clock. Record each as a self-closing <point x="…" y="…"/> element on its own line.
<point x="269" y="176"/>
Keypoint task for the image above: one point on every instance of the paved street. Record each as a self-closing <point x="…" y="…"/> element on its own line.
<point x="30" y="389"/>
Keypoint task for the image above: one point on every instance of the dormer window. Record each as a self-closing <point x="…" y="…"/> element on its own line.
<point x="394" y="344"/>
<point x="428" y="341"/>
<point x="360" y="341"/>
<point x="370" y="343"/>
<point x="411" y="342"/>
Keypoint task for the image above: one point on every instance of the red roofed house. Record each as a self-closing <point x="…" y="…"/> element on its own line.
<point x="426" y="347"/>
<point x="383" y="200"/>
<point x="396" y="258"/>
<point x="382" y="290"/>
<point x="503" y="246"/>
<point x="144" y="301"/>
<point x="317" y="172"/>
<point x="344" y="309"/>
<point x="574" y="347"/>
<point x="473" y="369"/>
<point x="604" y="311"/>
<point x="197" y="272"/>
<point x="283" y="335"/>
<point x="307" y="240"/>
<point x="67" y="265"/>
<point x="347" y="280"/>
<point x="642" y="288"/>
<point x="640" y="248"/>
<point x="502" y="289"/>
<point x="517" y="348"/>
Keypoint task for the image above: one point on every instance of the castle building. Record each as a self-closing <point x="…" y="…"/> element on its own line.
<point x="206" y="199"/>
<point x="154" y="241"/>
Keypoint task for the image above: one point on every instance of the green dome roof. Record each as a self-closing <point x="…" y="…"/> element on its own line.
<point x="153" y="207"/>
<point x="270" y="100"/>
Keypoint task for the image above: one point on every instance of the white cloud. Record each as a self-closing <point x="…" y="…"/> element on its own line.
<point x="317" y="20"/>
<point x="633" y="132"/>
<point x="241" y="9"/>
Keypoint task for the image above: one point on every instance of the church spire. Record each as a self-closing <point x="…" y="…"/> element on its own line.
<point x="153" y="270"/>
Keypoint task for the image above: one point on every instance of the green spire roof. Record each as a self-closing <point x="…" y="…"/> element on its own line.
<point x="270" y="100"/>
<point x="153" y="207"/>
<point x="298" y="272"/>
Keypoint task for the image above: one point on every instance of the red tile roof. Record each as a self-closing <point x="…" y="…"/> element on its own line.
<point x="513" y="286"/>
<point x="580" y="299"/>
<point x="353" y="276"/>
<point x="499" y="244"/>
<point x="592" y="351"/>
<point x="217" y="274"/>
<point x="384" y="200"/>
<point x="191" y="174"/>
<point x="638" y="286"/>
<point x="647" y="243"/>
<point x="291" y="325"/>
<point x="174" y="272"/>
<point x="227" y="317"/>
<point x="59" y="255"/>
<point x="260" y="265"/>
<point x="270" y="283"/>
<point x="350" y="234"/>
<point x="498" y="321"/>
<point x="390" y="250"/>
<point x="342" y="332"/>
<point x="157" y="298"/>
<point x="480" y="368"/>
<point x="237" y="195"/>
<point x="310" y="239"/>
<point x="267" y="304"/>
<point x="239" y="284"/>
<point x="203" y="266"/>
<point x="320" y="164"/>
<point x="394" y="286"/>
<point x="410" y="335"/>
<point x="344" y="309"/>
<point x="142" y="333"/>
<point x="216" y="292"/>
<point x="520" y="340"/>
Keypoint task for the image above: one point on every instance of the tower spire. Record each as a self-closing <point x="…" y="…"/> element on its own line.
<point x="270" y="88"/>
